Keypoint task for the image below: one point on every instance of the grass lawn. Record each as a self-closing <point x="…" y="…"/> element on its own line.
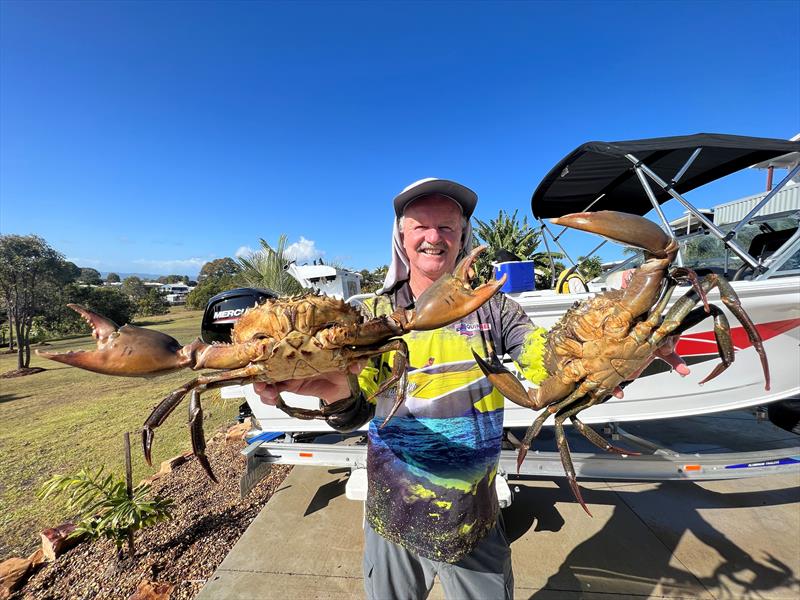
<point x="65" y="418"/>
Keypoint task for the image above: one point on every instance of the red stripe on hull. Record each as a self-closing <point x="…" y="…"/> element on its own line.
<point x="704" y="342"/>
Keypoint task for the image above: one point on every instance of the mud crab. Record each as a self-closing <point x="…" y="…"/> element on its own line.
<point x="281" y="339"/>
<point x="606" y="341"/>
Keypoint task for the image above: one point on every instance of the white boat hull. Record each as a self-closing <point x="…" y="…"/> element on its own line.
<point x="774" y="306"/>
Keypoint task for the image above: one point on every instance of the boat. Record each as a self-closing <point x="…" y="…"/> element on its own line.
<point x="638" y="176"/>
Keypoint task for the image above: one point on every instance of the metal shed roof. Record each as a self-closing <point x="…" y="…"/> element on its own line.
<point x="787" y="199"/>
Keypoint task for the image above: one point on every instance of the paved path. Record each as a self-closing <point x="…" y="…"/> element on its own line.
<point x="724" y="539"/>
<point x="713" y="540"/>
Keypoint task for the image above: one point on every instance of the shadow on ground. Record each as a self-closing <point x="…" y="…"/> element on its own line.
<point x="327" y="492"/>
<point x="11" y="397"/>
<point x="607" y="563"/>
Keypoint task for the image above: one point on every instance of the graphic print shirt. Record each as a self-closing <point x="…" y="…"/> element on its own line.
<point x="432" y="467"/>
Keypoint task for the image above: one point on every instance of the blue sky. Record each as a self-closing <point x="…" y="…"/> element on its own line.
<point x="152" y="137"/>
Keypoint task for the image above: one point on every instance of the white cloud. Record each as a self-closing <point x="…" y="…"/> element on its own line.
<point x="303" y="251"/>
<point x="172" y="266"/>
<point x="244" y="251"/>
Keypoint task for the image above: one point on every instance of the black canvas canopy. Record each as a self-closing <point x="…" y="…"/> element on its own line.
<point x="604" y="169"/>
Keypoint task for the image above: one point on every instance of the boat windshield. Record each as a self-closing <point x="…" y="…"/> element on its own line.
<point x="705" y="253"/>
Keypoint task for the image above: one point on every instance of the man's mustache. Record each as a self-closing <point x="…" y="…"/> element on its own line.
<point x="428" y="246"/>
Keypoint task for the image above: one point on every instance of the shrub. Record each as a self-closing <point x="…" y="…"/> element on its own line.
<point x="208" y="288"/>
<point x="152" y="303"/>
<point x="104" y="506"/>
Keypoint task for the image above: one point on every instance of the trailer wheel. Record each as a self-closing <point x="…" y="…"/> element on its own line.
<point x="785" y="414"/>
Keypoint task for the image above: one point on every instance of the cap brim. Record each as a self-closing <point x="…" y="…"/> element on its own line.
<point x="462" y="195"/>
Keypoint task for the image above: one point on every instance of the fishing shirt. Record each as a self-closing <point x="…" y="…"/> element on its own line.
<point x="432" y="466"/>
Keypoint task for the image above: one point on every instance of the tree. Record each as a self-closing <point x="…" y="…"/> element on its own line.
<point x="61" y="320"/>
<point x="590" y="267"/>
<point x="372" y="281"/>
<point x="173" y="279"/>
<point x="71" y="271"/>
<point x="109" y="302"/>
<point x="152" y="303"/>
<point x="219" y="268"/>
<point x="112" y="278"/>
<point x="134" y="287"/>
<point x="148" y="300"/>
<point x="27" y="265"/>
<point x="266" y="268"/>
<point x="90" y="276"/>
<point x="208" y="288"/>
<point x="506" y="233"/>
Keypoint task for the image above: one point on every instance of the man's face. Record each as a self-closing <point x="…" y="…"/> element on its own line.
<point x="431" y="236"/>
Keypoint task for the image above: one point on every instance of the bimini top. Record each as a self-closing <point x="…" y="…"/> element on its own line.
<point x="598" y="168"/>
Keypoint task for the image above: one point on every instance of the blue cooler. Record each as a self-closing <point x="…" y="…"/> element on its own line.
<point x="520" y="276"/>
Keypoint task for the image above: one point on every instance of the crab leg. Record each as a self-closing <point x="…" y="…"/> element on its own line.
<point x="398" y="377"/>
<point x="722" y="335"/>
<point x="597" y="439"/>
<point x="683" y="307"/>
<point x="199" y="384"/>
<point x="583" y="389"/>
<point x="566" y="459"/>
<point x="563" y="446"/>
<point x="686" y="274"/>
<point x="505" y="382"/>
<point x="326" y="410"/>
<point x="196" y="434"/>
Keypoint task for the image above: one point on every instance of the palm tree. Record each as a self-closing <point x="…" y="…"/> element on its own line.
<point x="506" y="233"/>
<point x="266" y="268"/>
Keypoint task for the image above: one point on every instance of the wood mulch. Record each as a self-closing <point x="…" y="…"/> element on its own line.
<point x="207" y="521"/>
<point x="21" y="372"/>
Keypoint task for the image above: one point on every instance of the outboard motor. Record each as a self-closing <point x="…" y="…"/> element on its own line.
<point x="224" y="309"/>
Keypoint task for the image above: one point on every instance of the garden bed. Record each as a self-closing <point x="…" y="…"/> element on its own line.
<point x="207" y="521"/>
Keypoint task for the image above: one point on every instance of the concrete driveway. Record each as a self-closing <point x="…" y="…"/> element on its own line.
<point x="682" y="539"/>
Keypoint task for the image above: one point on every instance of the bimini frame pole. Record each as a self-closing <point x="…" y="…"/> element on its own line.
<point x="555" y="240"/>
<point x="649" y="191"/>
<point x="549" y="255"/>
<point x="737" y="249"/>
<point x="546" y="231"/>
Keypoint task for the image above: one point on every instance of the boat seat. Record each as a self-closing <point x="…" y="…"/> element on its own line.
<point x="762" y="246"/>
<point x="765" y="244"/>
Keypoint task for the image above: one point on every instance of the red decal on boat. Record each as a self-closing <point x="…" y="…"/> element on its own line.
<point x="694" y="344"/>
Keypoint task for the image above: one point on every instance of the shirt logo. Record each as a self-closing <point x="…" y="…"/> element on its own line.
<point x="470" y="329"/>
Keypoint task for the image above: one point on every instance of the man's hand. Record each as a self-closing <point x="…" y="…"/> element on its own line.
<point x="330" y="387"/>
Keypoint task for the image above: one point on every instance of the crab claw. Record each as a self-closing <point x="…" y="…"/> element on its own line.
<point x="504" y="380"/>
<point x="628" y="229"/>
<point x="659" y="249"/>
<point x="127" y="350"/>
<point x="451" y="298"/>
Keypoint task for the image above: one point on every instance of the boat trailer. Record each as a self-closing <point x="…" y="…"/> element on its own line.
<point x="656" y="463"/>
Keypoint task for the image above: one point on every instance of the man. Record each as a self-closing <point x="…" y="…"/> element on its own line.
<point x="431" y="504"/>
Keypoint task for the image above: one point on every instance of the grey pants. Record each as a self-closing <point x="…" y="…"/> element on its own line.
<point x="393" y="573"/>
